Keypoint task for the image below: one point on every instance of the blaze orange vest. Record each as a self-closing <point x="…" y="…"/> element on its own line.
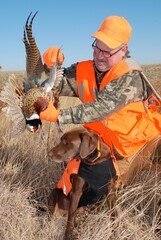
<point x="127" y="130"/>
<point x="72" y="168"/>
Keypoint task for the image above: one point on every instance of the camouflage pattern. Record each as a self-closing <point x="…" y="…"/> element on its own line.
<point x="129" y="88"/>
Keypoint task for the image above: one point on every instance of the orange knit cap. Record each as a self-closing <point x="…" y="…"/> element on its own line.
<point x="114" y="31"/>
<point x="50" y="56"/>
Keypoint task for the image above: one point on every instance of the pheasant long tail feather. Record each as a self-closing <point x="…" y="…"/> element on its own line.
<point x="34" y="65"/>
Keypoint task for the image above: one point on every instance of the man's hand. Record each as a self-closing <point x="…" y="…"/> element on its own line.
<point x="50" y="56"/>
<point x="50" y="113"/>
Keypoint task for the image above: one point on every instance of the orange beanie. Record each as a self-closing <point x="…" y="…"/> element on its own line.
<point x="50" y="56"/>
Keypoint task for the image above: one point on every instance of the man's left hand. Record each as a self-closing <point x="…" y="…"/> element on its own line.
<point x="50" y="113"/>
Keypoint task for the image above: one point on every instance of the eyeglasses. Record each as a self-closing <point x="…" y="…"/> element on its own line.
<point x="106" y="54"/>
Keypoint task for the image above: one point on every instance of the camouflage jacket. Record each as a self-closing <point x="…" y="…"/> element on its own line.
<point x="130" y="87"/>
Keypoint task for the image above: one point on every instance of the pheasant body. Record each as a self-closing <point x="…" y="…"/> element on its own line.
<point x="33" y="96"/>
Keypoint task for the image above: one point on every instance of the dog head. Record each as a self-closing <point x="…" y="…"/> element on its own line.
<point x="82" y="144"/>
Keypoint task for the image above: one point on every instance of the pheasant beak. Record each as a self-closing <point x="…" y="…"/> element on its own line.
<point x="33" y="125"/>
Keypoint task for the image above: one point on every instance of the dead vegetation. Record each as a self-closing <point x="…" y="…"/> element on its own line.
<point x="27" y="175"/>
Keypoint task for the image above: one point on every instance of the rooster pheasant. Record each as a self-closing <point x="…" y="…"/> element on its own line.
<point x="26" y="99"/>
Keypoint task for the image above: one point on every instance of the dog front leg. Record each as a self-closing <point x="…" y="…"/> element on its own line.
<point x="58" y="204"/>
<point x="52" y="201"/>
<point x="79" y="185"/>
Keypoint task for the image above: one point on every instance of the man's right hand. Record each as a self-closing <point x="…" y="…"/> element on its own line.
<point x="50" y="56"/>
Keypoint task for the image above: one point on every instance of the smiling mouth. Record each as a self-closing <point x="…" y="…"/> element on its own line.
<point x="33" y="125"/>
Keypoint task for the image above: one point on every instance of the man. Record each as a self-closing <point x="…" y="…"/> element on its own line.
<point x="117" y="102"/>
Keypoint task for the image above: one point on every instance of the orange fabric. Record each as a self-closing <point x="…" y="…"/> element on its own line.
<point x="50" y="113"/>
<point x="128" y="129"/>
<point x="65" y="183"/>
<point x="50" y="56"/>
<point x="153" y="103"/>
<point x="114" y="31"/>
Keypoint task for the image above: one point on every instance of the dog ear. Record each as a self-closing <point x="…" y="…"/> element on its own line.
<point x="88" y="144"/>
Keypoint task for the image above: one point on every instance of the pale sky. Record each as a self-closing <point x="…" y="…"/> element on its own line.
<point x="70" y="24"/>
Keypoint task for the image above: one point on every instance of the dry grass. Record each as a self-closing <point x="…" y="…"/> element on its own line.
<point x="27" y="175"/>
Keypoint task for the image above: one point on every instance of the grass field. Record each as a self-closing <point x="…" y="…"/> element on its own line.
<point x="28" y="175"/>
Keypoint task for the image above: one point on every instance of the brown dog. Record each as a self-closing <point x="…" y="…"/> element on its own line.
<point x="95" y="158"/>
<point x="95" y="178"/>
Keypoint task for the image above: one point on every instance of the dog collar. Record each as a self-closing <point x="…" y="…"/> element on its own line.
<point x="95" y="154"/>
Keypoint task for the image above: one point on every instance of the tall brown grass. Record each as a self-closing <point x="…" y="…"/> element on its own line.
<point x="28" y="175"/>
